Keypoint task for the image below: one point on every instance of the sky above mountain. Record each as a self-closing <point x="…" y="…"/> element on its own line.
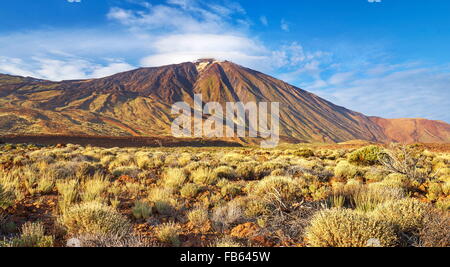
<point x="387" y="58"/>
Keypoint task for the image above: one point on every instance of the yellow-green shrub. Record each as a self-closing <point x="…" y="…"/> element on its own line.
<point x="6" y="197"/>
<point x="365" y="156"/>
<point x="95" y="189"/>
<point x="198" y="217"/>
<point x="348" y="228"/>
<point x="227" y="243"/>
<point x="174" y="178"/>
<point x="190" y="190"/>
<point x="231" y="190"/>
<point x="168" y="233"/>
<point x="142" y="210"/>
<point x="94" y="218"/>
<point x="246" y="171"/>
<point x="406" y="214"/>
<point x="204" y="176"/>
<point x="68" y="193"/>
<point x="345" y="170"/>
<point x="163" y="199"/>
<point x="32" y="235"/>
<point x="225" y="172"/>
<point x="272" y="187"/>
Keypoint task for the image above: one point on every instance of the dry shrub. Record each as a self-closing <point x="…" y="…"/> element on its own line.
<point x="131" y="171"/>
<point x="227" y="242"/>
<point x="95" y="189"/>
<point x="229" y="214"/>
<point x="94" y="218"/>
<point x="278" y="187"/>
<point x="198" y="217"/>
<point x="246" y="171"/>
<point x="121" y="160"/>
<point x="375" y="174"/>
<point x="287" y="223"/>
<point x="144" y="160"/>
<point x="168" y="233"/>
<point x="68" y="193"/>
<point x="233" y="158"/>
<point x="204" y="176"/>
<point x="395" y="180"/>
<point x="32" y="235"/>
<point x="407" y="160"/>
<point x="108" y="241"/>
<point x="142" y="210"/>
<point x="190" y="190"/>
<point x="364" y="198"/>
<point x="184" y="159"/>
<point x="225" y="172"/>
<point x="436" y="230"/>
<point x="346" y="170"/>
<point x="406" y="214"/>
<point x="164" y="200"/>
<point x="6" y="197"/>
<point x="45" y="184"/>
<point x="174" y="178"/>
<point x="256" y="207"/>
<point x="231" y="190"/>
<point x="304" y="153"/>
<point x="267" y="168"/>
<point x="348" y="228"/>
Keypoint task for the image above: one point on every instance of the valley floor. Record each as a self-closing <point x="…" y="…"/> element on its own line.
<point x="297" y="195"/>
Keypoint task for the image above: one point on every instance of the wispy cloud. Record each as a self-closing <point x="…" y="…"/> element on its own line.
<point x="284" y="25"/>
<point x="392" y="91"/>
<point x="264" y="21"/>
<point x="63" y="68"/>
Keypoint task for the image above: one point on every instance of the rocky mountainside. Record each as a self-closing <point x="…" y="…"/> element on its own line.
<point x="138" y="103"/>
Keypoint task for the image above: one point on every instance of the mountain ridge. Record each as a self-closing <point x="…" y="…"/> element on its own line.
<point x="138" y="103"/>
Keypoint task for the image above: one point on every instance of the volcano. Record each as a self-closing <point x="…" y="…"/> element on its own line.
<point x="138" y="103"/>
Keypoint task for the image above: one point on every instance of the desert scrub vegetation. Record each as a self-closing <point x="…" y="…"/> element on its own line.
<point x="94" y="218"/>
<point x="365" y="156"/>
<point x="31" y="235"/>
<point x="297" y="195"/>
<point x="348" y="228"/>
<point x="168" y="233"/>
<point x="142" y="210"/>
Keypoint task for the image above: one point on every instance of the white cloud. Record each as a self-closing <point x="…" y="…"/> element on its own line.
<point x="340" y="78"/>
<point x="189" y="47"/>
<point x="178" y="16"/>
<point x="67" y="68"/>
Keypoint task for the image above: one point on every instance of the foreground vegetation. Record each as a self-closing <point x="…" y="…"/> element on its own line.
<point x="226" y="197"/>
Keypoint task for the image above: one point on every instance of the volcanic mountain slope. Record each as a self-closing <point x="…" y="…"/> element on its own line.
<point x="138" y="103"/>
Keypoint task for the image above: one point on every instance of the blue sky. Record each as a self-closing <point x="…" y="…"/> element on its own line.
<point x="388" y="59"/>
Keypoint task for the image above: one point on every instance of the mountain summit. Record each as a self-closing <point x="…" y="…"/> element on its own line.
<point x="138" y="103"/>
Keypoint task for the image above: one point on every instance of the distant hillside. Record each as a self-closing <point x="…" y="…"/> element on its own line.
<point x="138" y="103"/>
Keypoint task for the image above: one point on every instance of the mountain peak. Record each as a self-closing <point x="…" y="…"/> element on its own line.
<point x="203" y="63"/>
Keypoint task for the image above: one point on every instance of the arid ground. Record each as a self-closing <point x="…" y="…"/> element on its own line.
<point x="351" y="194"/>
